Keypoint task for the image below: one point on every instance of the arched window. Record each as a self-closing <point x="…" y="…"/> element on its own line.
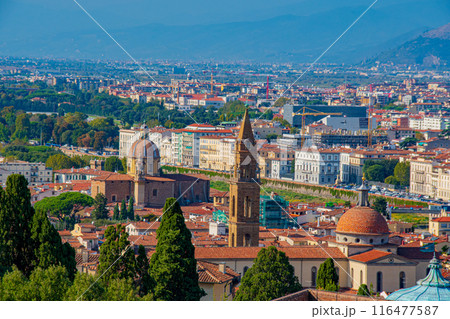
<point x="361" y="277"/>
<point x="402" y="278"/>
<point x="247" y="240"/>
<point x="379" y="281"/>
<point x="245" y="269"/>
<point x="233" y="208"/>
<point x="313" y="276"/>
<point x="246" y="206"/>
<point x="351" y="277"/>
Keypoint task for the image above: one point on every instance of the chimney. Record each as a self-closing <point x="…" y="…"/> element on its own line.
<point x="222" y="267"/>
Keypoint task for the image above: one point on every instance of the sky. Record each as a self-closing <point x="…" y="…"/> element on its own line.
<point x="22" y="20"/>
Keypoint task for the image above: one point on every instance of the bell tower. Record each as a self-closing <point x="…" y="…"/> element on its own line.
<point x="244" y="191"/>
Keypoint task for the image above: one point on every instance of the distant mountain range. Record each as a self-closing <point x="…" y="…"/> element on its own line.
<point x="430" y="49"/>
<point x="295" y="31"/>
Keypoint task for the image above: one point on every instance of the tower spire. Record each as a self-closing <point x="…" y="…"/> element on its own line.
<point x="246" y="132"/>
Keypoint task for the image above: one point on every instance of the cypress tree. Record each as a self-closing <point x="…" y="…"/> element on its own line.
<point x="123" y="210"/>
<point x="143" y="279"/>
<point x="100" y="211"/>
<point x="270" y="277"/>
<point x="116" y="260"/>
<point x="116" y="214"/>
<point x="131" y="208"/>
<point x="363" y="290"/>
<point x="16" y="216"/>
<point x="49" y="250"/>
<point x="327" y="277"/>
<point x="173" y="267"/>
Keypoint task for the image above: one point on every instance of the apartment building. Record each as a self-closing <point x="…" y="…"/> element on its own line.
<point x="127" y="137"/>
<point x="275" y="161"/>
<point x="160" y="136"/>
<point x="430" y="178"/>
<point x="317" y="166"/>
<point x="35" y="173"/>
<point x="186" y="143"/>
<point x="217" y="152"/>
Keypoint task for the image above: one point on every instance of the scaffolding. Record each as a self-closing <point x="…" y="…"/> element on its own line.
<point x="273" y="212"/>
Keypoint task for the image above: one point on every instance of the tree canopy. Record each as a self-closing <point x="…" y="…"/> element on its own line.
<point x="327" y="277"/>
<point x="379" y="204"/>
<point x="113" y="164"/>
<point x="100" y="211"/>
<point x="116" y="258"/>
<point x="173" y="266"/>
<point x="270" y="277"/>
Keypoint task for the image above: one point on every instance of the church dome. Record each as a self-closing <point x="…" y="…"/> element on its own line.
<point x="143" y="149"/>
<point x="362" y="220"/>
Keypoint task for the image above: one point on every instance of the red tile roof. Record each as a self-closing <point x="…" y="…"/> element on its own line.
<point x="252" y="252"/>
<point x="370" y="255"/>
<point x="209" y="273"/>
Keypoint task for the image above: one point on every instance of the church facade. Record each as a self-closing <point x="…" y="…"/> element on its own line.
<point x="145" y="182"/>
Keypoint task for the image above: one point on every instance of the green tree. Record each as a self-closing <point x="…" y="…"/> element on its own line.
<point x="363" y="290"/>
<point x="270" y="277"/>
<point x="59" y="161"/>
<point x="401" y="173"/>
<point x="16" y="216"/>
<point x="100" y="211"/>
<point x="379" y="173"/>
<point x="14" y="286"/>
<point x="124" y="165"/>
<point x="116" y="258"/>
<point x="270" y="137"/>
<point x="327" y="277"/>
<point x="85" y="288"/>
<point x="116" y="214"/>
<point x="121" y="289"/>
<point x="173" y="266"/>
<point x="100" y="140"/>
<point x="376" y="173"/>
<point x="123" y="210"/>
<point x="113" y="164"/>
<point x="391" y="180"/>
<point x="281" y="102"/>
<point x="65" y="204"/>
<point x="49" y="249"/>
<point x="130" y="211"/>
<point x="347" y="203"/>
<point x="409" y="141"/>
<point x="379" y="204"/>
<point x="79" y="162"/>
<point x="22" y="127"/>
<point x="143" y="279"/>
<point x="48" y="284"/>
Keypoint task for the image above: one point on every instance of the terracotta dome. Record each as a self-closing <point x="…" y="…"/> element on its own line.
<point x="362" y="220"/>
<point x="143" y="148"/>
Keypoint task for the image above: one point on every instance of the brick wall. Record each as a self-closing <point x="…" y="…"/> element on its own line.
<point x="321" y="295"/>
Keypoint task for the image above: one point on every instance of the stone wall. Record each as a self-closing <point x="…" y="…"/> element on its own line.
<point x="302" y="188"/>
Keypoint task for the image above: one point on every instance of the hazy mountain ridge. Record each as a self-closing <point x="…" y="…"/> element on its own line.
<point x="431" y="48"/>
<point x="300" y="36"/>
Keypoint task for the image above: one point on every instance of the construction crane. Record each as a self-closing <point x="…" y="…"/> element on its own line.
<point x="305" y="111"/>
<point x="369" y="118"/>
